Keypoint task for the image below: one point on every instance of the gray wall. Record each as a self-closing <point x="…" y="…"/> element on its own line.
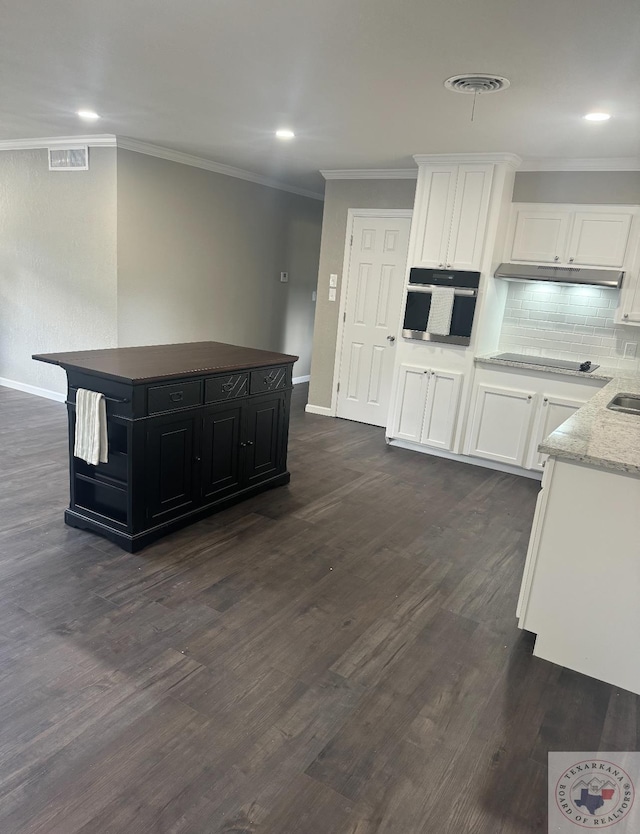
<point x="57" y="262"/>
<point x="341" y="195"/>
<point x="615" y="187"/>
<point x="200" y="256"/>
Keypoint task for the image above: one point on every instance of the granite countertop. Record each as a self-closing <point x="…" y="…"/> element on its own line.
<point x="598" y="436"/>
<point x="601" y="373"/>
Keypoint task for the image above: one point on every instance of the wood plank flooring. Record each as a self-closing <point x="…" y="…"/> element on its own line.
<point x="338" y="656"/>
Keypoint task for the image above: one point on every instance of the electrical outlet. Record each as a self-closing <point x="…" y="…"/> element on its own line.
<point x="284" y="277"/>
<point x="630" y="350"/>
<point x="332" y="294"/>
<point x="333" y="280"/>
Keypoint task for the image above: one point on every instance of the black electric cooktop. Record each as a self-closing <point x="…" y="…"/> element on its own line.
<point x="586" y="366"/>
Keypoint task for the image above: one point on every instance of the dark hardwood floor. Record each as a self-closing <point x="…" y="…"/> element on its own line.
<point x="338" y="656"/>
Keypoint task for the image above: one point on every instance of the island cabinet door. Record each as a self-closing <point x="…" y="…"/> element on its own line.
<point x="172" y="465"/>
<point x="264" y="446"/>
<point x="221" y="462"/>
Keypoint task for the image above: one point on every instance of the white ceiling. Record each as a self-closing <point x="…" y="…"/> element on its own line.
<point x="360" y="81"/>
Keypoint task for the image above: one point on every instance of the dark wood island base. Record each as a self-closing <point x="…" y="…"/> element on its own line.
<point x="192" y="428"/>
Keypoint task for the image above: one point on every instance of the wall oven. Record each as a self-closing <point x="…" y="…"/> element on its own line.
<point x="422" y="283"/>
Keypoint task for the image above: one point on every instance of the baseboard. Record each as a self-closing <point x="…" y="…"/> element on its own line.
<point x="472" y="461"/>
<point x="298" y="379"/>
<point x="33" y="389"/>
<point x="318" y="409"/>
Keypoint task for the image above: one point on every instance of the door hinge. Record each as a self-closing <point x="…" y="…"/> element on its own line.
<point x="351" y="244"/>
<point x="344" y="316"/>
<point x="338" y="389"/>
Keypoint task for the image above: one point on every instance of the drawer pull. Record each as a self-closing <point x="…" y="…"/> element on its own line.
<point x="228" y="386"/>
<point x="269" y="379"/>
<point x="176" y="396"/>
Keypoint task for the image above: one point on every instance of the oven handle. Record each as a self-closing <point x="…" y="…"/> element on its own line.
<point x="427" y="288"/>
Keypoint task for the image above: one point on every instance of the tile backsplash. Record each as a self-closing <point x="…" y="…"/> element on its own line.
<point x="568" y="323"/>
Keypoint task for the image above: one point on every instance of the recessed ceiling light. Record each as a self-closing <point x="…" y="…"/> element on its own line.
<point x="88" y="115"/>
<point x="285" y="133"/>
<point x="597" y="117"/>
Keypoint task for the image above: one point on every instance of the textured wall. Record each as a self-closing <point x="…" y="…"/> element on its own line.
<point x="200" y="255"/>
<point x="57" y="262"/>
<point x="615" y="187"/>
<point x="340" y="196"/>
<point x="566" y="323"/>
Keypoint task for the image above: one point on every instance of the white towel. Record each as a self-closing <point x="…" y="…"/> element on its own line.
<point x="440" y="311"/>
<point x="91" y="444"/>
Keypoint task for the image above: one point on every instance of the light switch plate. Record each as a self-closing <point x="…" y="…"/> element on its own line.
<point x="333" y="280"/>
<point x="284" y="277"/>
<point x="332" y="294"/>
<point x="314" y="295"/>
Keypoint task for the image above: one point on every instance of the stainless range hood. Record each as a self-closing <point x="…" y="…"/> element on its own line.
<point x="561" y="275"/>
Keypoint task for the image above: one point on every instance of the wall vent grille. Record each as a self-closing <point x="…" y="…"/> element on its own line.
<point x="69" y="159"/>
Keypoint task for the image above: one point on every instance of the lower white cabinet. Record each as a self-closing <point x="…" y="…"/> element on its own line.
<point x="552" y="413"/>
<point x="427" y="404"/>
<point x="501" y="424"/>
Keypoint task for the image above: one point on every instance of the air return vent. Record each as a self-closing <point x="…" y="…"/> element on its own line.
<point x="69" y="159"/>
<point x="475" y="83"/>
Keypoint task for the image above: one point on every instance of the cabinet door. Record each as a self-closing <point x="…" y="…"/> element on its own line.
<point x="629" y="310"/>
<point x="410" y="403"/>
<point x="552" y="413"/>
<point x="443" y="399"/>
<point x="534" y="543"/>
<point x="540" y="235"/>
<point x="599" y="238"/>
<point x="171" y="448"/>
<point x="501" y="424"/>
<point x="264" y="450"/>
<point x="471" y="206"/>
<point x="221" y="471"/>
<point x="438" y="187"/>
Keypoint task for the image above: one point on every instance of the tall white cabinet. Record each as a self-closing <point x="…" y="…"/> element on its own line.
<point x="452" y="202"/>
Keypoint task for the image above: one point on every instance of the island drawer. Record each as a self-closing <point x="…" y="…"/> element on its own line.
<point x="171" y="397"/>
<point x="270" y="379"/>
<point x="226" y="387"/>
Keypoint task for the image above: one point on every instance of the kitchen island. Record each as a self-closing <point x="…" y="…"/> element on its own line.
<point x="192" y="428"/>
<point x="580" y="591"/>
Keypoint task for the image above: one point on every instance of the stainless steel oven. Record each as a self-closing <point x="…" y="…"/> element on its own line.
<point x="422" y="282"/>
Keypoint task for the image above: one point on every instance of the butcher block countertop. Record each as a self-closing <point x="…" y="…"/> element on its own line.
<point x="151" y="363"/>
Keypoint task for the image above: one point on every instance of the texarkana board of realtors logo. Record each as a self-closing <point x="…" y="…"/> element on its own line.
<point x="594" y="791"/>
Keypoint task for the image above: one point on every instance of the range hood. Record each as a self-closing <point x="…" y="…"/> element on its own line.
<point x="561" y="275"/>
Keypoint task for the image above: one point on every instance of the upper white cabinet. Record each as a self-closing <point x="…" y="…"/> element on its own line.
<point x="539" y="235"/>
<point x="629" y="310"/>
<point x="452" y="204"/>
<point x="501" y="424"/>
<point x="584" y="236"/>
<point x="426" y="408"/>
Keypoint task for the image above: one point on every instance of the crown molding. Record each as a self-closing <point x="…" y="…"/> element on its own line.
<point x="170" y="155"/>
<point x="371" y="174"/>
<point x="624" y="163"/>
<point x="101" y="140"/>
<point x="467" y="158"/>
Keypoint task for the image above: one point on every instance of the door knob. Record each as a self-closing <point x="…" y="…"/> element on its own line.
<point x="391" y="339"/>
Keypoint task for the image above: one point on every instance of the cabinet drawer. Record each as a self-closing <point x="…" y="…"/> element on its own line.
<point x="170" y="397"/>
<point x="269" y="379"/>
<point x="220" y="388"/>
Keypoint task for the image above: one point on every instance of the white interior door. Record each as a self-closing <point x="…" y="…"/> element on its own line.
<point x="374" y="288"/>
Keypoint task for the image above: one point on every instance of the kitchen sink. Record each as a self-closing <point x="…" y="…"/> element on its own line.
<point x="629" y="403"/>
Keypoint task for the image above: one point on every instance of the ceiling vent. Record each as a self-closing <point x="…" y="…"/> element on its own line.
<point x="475" y="83"/>
<point x="69" y="159"/>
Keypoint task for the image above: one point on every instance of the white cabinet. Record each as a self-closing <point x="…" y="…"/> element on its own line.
<point x="539" y="235"/>
<point x="629" y="310"/>
<point x="427" y="405"/>
<point x="580" y="235"/>
<point x="453" y="203"/>
<point x="552" y="413"/>
<point x="501" y="424"/>
<point x="599" y="238"/>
